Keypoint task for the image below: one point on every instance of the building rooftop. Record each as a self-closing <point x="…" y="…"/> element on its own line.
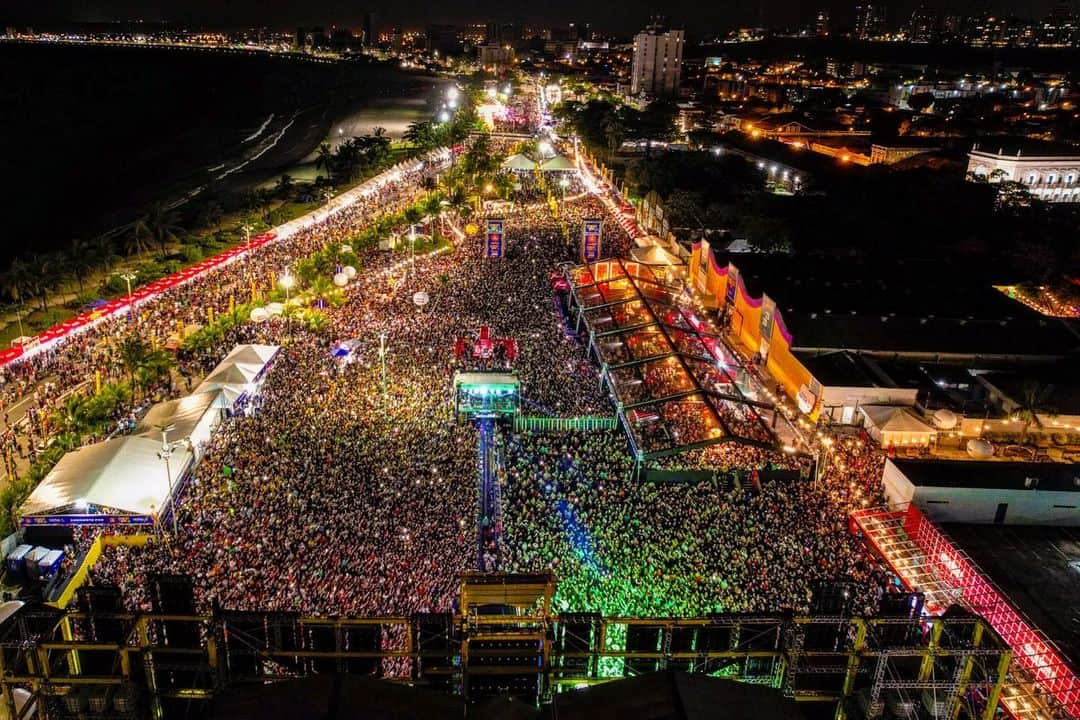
<point x="909" y="306"/>
<point x="842" y="369"/>
<point x="992" y="475"/>
<point x="1024" y="147"/>
<point x="1060" y="382"/>
<point x="1038" y="569"/>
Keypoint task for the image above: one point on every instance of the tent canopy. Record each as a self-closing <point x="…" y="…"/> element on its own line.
<point x="125" y="475"/>
<point x="897" y="425"/>
<point x="518" y="162"/>
<point x="251" y="354"/>
<point x="655" y="255"/>
<point x="234" y="375"/>
<point x="557" y="163"/>
<point x="192" y="417"/>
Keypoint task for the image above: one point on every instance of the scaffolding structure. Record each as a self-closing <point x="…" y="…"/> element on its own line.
<point x="504" y="640"/>
<point x="1041" y="684"/>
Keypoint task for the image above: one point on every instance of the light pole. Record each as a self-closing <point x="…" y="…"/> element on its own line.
<point x="128" y="277"/>
<point x="18" y="316"/>
<point x="166" y="451"/>
<point x="287" y="281"/>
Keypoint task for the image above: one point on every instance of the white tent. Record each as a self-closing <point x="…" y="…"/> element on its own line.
<point x="194" y="417"/>
<point x="233" y="374"/>
<point x="238" y="373"/>
<point x="557" y="163"/>
<point x="518" y="162"/>
<point x="655" y="255"/>
<point x="891" y="425"/>
<point x="252" y="354"/>
<point x="120" y="477"/>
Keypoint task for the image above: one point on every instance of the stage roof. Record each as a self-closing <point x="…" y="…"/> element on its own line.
<point x="678" y="386"/>
<point x="123" y="476"/>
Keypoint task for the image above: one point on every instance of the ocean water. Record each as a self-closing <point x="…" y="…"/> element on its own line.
<point x="90" y="134"/>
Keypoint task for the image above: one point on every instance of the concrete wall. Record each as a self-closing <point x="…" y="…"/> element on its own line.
<point x="980" y="505"/>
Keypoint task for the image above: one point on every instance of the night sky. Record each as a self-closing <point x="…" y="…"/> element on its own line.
<point x="699" y="16"/>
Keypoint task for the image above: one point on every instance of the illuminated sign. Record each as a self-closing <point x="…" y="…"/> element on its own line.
<point x="88" y="520"/>
<point x="591" y="239"/>
<point x="494" y="238"/>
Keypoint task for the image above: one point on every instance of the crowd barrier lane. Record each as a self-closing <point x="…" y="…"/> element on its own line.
<point x="45" y="339"/>
<point x="101" y="542"/>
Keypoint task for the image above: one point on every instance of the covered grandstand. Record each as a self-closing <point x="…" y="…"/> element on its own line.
<point x="676" y="385"/>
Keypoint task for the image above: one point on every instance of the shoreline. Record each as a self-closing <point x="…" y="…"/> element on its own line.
<point x="257" y="130"/>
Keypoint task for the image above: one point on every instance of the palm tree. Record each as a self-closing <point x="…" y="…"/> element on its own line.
<point x="137" y="241"/>
<point x="133" y="354"/>
<point x="16" y="282"/>
<point x="80" y="260"/>
<point x="284" y="185"/>
<point x="420" y="134"/>
<point x="103" y="251"/>
<point x="325" y="159"/>
<point x="1034" y="401"/>
<point x="161" y="225"/>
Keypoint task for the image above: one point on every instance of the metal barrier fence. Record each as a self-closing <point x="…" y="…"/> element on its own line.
<point x="574" y="424"/>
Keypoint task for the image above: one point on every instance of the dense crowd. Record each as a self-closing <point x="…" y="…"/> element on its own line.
<point x="47" y="375"/>
<point x="347" y="494"/>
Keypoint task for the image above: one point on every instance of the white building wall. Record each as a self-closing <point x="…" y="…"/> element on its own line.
<point x="1052" y="179"/>
<point x="980" y="505"/>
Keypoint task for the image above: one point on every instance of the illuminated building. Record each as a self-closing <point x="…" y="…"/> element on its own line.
<point x="657" y="67"/>
<point x="1049" y="173"/>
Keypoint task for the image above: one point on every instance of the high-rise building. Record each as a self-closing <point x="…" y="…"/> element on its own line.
<point x="504" y="33"/>
<point x="869" y="20"/>
<point x="370" y="30"/>
<point x="658" y="53"/>
<point x="821" y="23"/>
<point x="443" y="39"/>
<point x="924" y="25"/>
<point x="581" y="31"/>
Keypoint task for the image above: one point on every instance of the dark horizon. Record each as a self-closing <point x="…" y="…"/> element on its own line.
<point x="281" y="15"/>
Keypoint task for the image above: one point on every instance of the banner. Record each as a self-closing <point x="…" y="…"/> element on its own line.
<point x="703" y="266"/>
<point x="768" y="310"/>
<point x="494" y="238"/>
<point x="590" y="240"/>
<point x="732" y="284"/>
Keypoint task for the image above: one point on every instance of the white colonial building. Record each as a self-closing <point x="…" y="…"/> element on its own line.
<point x="1050" y="173"/>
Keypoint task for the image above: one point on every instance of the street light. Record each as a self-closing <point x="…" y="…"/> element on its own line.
<point x="287" y="281"/>
<point x="166" y="451"/>
<point x="128" y="277"/>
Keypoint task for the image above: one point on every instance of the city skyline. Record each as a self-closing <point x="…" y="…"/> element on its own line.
<point x="697" y="19"/>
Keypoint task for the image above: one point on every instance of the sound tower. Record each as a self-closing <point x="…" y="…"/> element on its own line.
<point x="900" y="606"/>
<point x="98" y="602"/>
<point x="643" y="639"/>
<point x="175" y="595"/>
<point x="175" y="668"/>
<point x="438" y="644"/>
<point x="718" y="636"/>
<point x="362" y="638"/>
<point x="683" y="640"/>
<point x="250" y="640"/>
<point x="577" y="633"/>
<point x="504" y="666"/>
